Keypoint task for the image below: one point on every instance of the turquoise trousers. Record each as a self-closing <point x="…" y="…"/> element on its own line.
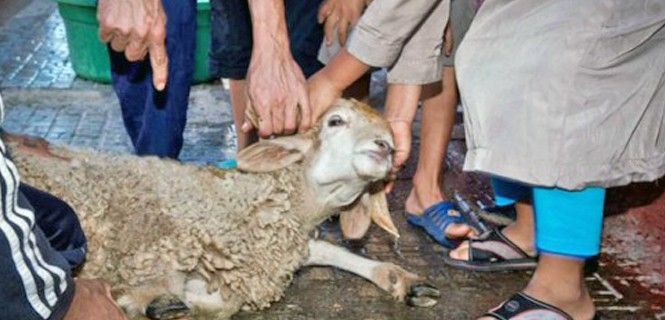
<point x="568" y="223"/>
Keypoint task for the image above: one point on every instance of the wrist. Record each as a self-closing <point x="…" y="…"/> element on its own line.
<point x="326" y="75"/>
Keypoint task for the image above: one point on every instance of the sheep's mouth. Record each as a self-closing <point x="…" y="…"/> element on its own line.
<point x="377" y="156"/>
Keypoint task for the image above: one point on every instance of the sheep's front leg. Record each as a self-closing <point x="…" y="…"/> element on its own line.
<point x="158" y="300"/>
<point x="155" y="303"/>
<point x="401" y="284"/>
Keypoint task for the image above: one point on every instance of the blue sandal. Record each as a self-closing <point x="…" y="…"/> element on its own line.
<point x="436" y="219"/>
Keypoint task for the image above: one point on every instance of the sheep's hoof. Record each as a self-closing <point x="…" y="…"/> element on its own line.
<point x="422" y="295"/>
<point x="166" y="307"/>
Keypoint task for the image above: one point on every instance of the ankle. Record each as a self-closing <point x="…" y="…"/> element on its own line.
<point x="556" y="289"/>
<point x="574" y="300"/>
<point x="427" y="186"/>
<point x="523" y="237"/>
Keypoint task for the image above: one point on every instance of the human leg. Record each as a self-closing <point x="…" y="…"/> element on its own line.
<point x="165" y="112"/>
<point x="238" y="104"/>
<point x="438" y="118"/>
<point x="59" y="223"/>
<point x="231" y="51"/>
<point x="131" y="83"/>
<point x="568" y="231"/>
<point x="231" y="48"/>
<point x="155" y="120"/>
<point x="440" y="222"/>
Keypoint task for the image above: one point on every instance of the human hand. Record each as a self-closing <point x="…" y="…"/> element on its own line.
<point x="402" y="134"/>
<point x="93" y="300"/>
<point x="137" y="27"/>
<point x="448" y="40"/>
<point x="340" y="16"/>
<point x="322" y="93"/>
<point x="277" y="92"/>
<point x="400" y="111"/>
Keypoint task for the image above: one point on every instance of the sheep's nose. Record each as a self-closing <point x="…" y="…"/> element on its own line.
<point x="384" y="146"/>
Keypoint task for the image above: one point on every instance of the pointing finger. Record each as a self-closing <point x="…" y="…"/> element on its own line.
<point x="160" y="65"/>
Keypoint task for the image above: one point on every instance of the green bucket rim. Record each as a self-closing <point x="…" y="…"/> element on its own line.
<point x="201" y="4"/>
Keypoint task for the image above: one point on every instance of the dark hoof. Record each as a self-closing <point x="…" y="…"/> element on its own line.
<point x="166" y="307"/>
<point x="423" y="295"/>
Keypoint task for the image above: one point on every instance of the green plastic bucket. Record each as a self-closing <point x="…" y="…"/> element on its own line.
<point x="88" y="54"/>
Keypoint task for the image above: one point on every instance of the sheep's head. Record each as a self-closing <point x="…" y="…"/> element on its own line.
<point x="347" y="156"/>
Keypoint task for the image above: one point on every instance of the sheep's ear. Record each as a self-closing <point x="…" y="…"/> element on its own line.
<point x="371" y="207"/>
<point x="273" y="154"/>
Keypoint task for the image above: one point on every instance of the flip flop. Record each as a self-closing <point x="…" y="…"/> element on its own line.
<point x="523" y="306"/>
<point x="436" y="219"/>
<point x="493" y="252"/>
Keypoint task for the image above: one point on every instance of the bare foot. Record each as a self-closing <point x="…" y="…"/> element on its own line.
<point x="519" y="238"/>
<point x="579" y="307"/>
<point x="570" y="298"/>
<point x="453" y="231"/>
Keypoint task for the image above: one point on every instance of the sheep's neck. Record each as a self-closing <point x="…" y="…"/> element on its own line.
<point x="308" y="208"/>
<point x="321" y="201"/>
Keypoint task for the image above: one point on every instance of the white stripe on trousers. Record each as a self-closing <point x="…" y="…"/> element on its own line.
<point x="27" y="278"/>
<point x="31" y="217"/>
<point x="29" y="243"/>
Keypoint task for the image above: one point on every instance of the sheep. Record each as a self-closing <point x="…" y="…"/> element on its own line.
<point x="173" y="238"/>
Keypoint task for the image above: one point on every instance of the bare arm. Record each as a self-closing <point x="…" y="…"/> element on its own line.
<point x="327" y="85"/>
<point x="276" y="86"/>
<point x="378" y="39"/>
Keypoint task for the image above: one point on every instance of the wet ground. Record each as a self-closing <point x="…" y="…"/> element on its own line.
<point x="45" y="99"/>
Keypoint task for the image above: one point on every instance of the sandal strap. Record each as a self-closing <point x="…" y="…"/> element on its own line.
<point x="436" y="219"/>
<point x="495" y="247"/>
<point x="523" y="306"/>
<point x="442" y="217"/>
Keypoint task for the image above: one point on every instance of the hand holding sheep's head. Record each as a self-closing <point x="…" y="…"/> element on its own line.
<point x="347" y="155"/>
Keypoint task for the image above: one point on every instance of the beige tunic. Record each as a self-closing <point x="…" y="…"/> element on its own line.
<point x="404" y="35"/>
<point x="565" y="93"/>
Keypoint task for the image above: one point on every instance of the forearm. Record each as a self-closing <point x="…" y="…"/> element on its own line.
<point x="269" y="29"/>
<point x="276" y="85"/>
<point x="344" y="69"/>
<point x="402" y="102"/>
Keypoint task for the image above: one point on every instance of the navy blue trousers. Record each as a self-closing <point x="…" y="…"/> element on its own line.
<point x="59" y="223"/>
<point x="155" y="120"/>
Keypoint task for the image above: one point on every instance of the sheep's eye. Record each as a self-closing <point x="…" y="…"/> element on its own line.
<point x="335" y="121"/>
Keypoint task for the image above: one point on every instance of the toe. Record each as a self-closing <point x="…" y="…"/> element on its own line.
<point x="461" y="253"/>
<point x="458" y="231"/>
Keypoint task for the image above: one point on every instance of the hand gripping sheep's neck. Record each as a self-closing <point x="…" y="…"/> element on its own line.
<point x="172" y="237"/>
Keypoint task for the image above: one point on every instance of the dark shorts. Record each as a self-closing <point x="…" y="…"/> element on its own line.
<point x="231" y="46"/>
